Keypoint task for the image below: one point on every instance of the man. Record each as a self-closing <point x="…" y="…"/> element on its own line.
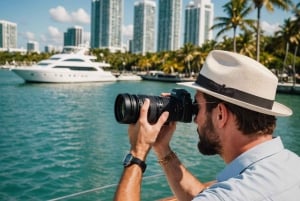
<point x="236" y="119"/>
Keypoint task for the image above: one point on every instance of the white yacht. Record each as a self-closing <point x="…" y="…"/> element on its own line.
<point x="72" y="65"/>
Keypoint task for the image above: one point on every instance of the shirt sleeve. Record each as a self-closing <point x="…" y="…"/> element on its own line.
<point x="221" y="191"/>
<point x="205" y="196"/>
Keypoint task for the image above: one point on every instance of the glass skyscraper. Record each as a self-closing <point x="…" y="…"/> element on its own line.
<point x="8" y="34"/>
<point x="73" y="36"/>
<point x="106" y="24"/>
<point x="169" y="16"/>
<point x="199" y="16"/>
<point x="144" y="26"/>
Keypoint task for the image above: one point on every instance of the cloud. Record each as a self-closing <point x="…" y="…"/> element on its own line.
<point x="80" y="16"/>
<point x="54" y="32"/>
<point x="53" y="37"/>
<point x="29" y="36"/>
<point x="269" y="29"/>
<point x="60" y="14"/>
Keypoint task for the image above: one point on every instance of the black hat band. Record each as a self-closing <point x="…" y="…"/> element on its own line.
<point x="234" y="93"/>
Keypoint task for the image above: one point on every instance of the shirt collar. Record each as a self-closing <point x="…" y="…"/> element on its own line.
<point x="249" y="157"/>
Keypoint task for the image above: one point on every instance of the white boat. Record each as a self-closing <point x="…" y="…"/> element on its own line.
<point x="128" y="77"/>
<point x="163" y="77"/>
<point x="71" y="66"/>
<point x="288" y="88"/>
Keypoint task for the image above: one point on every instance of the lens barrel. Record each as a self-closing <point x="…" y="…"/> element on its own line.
<point x="179" y="105"/>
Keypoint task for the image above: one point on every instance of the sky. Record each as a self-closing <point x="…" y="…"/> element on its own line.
<point x="45" y="21"/>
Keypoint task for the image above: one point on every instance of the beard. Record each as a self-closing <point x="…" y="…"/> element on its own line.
<point x="209" y="141"/>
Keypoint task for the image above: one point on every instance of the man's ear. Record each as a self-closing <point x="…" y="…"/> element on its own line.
<point x="222" y="114"/>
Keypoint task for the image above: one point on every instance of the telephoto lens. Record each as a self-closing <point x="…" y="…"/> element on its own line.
<point x="178" y="104"/>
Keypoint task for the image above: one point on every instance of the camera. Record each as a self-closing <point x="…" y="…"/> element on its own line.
<point x="178" y="104"/>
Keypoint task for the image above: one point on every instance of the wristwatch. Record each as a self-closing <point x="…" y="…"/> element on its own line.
<point x="130" y="160"/>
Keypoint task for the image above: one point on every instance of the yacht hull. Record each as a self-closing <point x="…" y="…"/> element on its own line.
<point x="62" y="76"/>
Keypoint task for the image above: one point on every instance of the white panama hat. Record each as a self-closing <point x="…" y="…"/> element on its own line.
<point x="239" y="80"/>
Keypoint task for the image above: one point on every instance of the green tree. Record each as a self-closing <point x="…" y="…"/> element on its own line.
<point x="287" y="36"/>
<point x="225" y="44"/>
<point x="236" y="11"/>
<point x="144" y="63"/>
<point x="207" y="46"/>
<point x="171" y="62"/>
<point x="246" y="44"/>
<point x="269" y="4"/>
<point x="296" y="11"/>
<point x="296" y="29"/>
<point x="187" y="54"/>
<point x="199" y="58"/>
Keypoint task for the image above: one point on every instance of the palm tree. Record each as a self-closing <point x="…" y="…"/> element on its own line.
<point x="267" y="59"/>
<point x="269" y="4"/>
<point x="296" y="11"/>
<point x="144" y="63"/>
<point x="154" y="59"/>
<point x="199" y="58"/>
<point x="296" y="30"/>
<point x="187" y="54"/>
<point x="207" y="46"/>
<point x="171" y="65"/>
<point x="288" y="36"/>
<point x="225" y="44"/>
<point x="236" y="11"/>
<point x="246" y="44"/>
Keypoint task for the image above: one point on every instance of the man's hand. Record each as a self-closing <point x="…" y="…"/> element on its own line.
<point x="143" y="135"/>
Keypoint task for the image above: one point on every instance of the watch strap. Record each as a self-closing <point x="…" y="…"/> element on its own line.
<point x="130" y="160"/>
<point x="140" y="163"/>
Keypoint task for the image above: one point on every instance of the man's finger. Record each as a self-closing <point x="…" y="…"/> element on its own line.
<point x="144" y="110"/>
<point x="162" y="119"/>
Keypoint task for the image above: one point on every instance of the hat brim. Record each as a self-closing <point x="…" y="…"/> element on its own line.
<point x="278" y="109"/>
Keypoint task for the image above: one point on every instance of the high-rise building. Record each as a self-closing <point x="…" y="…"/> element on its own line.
<point x="144" y="26"/>
<point x="106" y="24"/>
<point x="33" y="46"/>
<point x="73" y="36"/>
<point x="169" y="20"/>
<point x="199" y="16"/>
<point x="8" y="34"/>
<point x="49" y="49"/>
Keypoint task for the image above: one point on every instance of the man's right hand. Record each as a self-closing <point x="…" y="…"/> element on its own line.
<point x="142" y="134"/>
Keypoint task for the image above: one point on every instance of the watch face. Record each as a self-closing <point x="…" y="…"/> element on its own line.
<point x="127" y="160"/>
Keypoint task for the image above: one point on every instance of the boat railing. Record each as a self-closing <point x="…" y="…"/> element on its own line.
<point x="150" y="178"/>
<point x="81" y="193"/>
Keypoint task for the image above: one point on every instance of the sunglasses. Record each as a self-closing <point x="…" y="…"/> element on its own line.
<point x="196" y="107"/>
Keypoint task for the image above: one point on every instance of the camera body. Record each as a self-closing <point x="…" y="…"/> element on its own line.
<point x="179" y="105"/>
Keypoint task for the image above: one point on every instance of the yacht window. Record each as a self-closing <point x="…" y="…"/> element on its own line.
<point x="78" y="68"/>
<point x="42" y="64"/>
<point x="76" y="60"/>
<point x="54" y="58"/>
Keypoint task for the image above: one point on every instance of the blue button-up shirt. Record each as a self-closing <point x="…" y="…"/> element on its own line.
<point x="264" y="173"/>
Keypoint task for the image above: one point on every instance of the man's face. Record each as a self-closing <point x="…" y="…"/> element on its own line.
<point x="209" y="141"/>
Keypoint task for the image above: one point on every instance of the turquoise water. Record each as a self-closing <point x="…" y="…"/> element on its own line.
<point x="62" y="139"/>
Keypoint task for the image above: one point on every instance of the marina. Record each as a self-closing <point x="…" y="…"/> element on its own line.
<point x="60" y="138"/>
<point x="62" y="142"/>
